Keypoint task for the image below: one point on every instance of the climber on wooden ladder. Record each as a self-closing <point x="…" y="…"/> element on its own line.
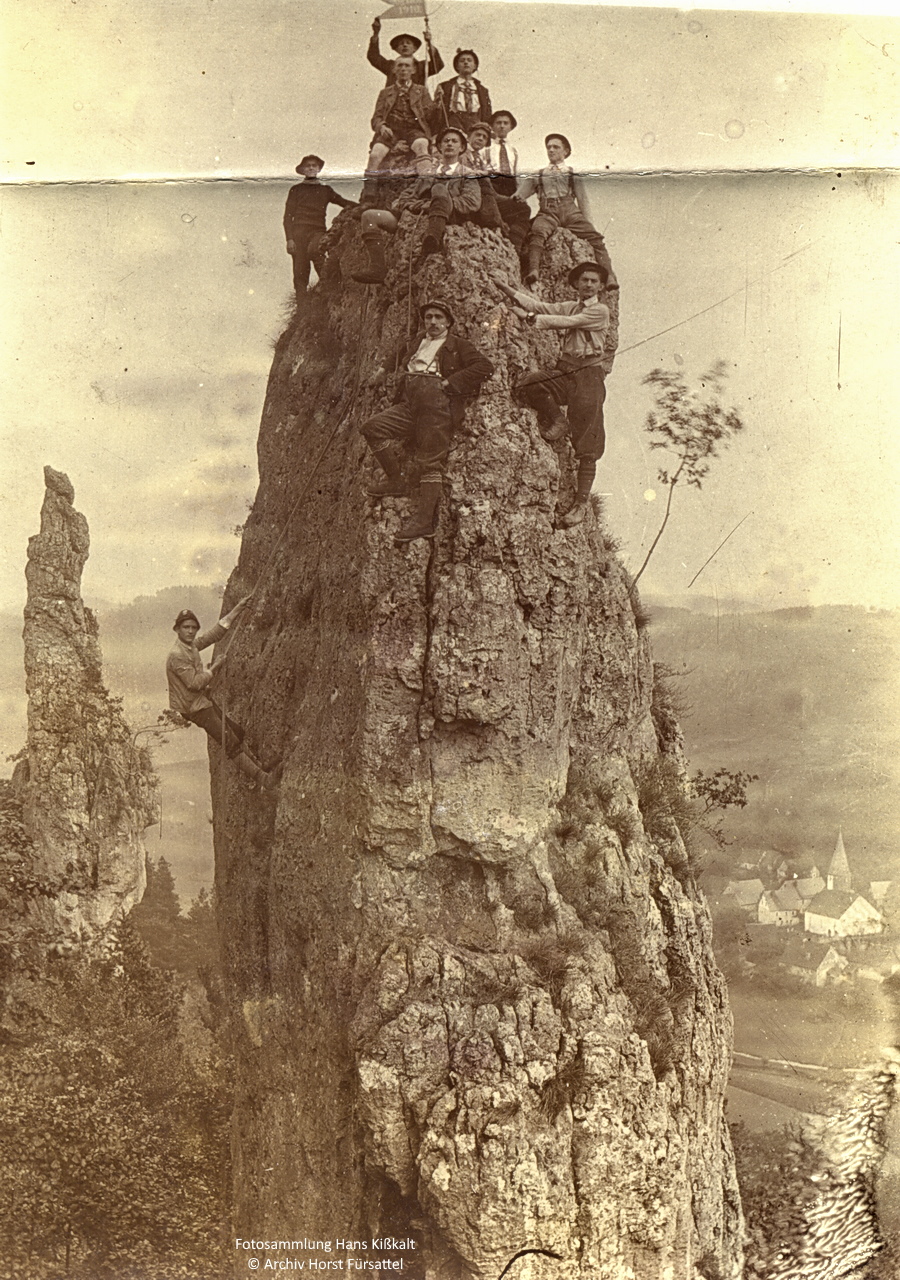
<point x="188" y="680"/>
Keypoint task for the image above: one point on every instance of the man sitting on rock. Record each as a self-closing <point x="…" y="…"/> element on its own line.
<point x="578" y="378"/>
<point x="404" y="46"/>
<point x="463" y="101"/>
<point x="505" y="212"/>
<point x="563" y="201"/>
<point x="304" y="219"/>
<point x="403" y="113"/>
<point x="452" y="194"/>
<point x="187" y="680"/>
<point x="440" y="372"/>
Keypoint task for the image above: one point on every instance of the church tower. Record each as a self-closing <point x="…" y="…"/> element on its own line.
<point x="838" y="874"/>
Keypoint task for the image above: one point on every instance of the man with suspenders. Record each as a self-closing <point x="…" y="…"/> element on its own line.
<point x="563" y="203"/>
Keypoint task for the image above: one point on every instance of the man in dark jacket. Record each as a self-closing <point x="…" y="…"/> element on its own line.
<point x="440" y="372"/>
<point x="304" y="219"/>
<point x="463" y="101"/>
<point x="403" y="113"/>
<point x="404" y="46"/>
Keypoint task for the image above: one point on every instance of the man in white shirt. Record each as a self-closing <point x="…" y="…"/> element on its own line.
<point x="440" y="372"/>
<point x="499" y="206"/>
<point x="563" y="200"/>
<point x="502" y="157"/>
<point x="578" y="378"/>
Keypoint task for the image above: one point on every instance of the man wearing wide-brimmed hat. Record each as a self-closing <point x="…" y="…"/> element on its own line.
<point x="440" y="372"/>
<point x="563" y="201"/>
<point x="451" y="194"/>
<point x="578" y="380"/>
<point x="189" y="682"/>
<point x="304" y="219"/>
<point x="462" y="101"/>
<point x="404" y="46"/>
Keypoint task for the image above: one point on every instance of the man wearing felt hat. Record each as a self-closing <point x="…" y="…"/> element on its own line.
<point x="463" y="100"/>
<point x="451" y="194"/>
<point x="189" y="680"/>
<point x="578" y="380"/>
<point x="404" y="46"/>
<point x="304" y="219"/>
<point x="440" y="372"/>
<point x="563" y="201"/>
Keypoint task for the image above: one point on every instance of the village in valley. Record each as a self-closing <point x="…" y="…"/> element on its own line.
<point x="796" y="920"/>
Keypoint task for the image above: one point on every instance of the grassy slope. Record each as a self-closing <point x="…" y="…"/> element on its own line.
<point x="806" y="699"/>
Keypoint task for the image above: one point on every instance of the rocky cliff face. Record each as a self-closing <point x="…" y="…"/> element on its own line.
<point x="87" y="793"/>
<point x="474" y="994"/>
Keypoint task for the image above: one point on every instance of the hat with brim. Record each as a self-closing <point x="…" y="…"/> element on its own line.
<point x="578" y="271"/>
<point x="440" y="306"/>
<point x="515" y="123"/>
<point x="310" y="160"/>
<point x="452" y="129"/>
<point x="186" y="615"/>
<point x="560" y="137"/>
<point x="480" y="128"/>
<point x="459" y="54"/>
<point x="417" y="43"/>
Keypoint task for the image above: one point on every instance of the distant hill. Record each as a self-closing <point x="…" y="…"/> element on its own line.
<point x="807" y="698"/>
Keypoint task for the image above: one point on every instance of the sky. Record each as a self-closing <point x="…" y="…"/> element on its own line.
<point x="743" y="179"/>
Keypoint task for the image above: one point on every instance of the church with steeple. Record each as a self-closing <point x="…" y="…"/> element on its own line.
<point x="839" y="911"/>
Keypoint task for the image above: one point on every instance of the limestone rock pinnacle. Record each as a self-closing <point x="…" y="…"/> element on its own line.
<point x="470" y="972"/>
<point x="87" y="792"/>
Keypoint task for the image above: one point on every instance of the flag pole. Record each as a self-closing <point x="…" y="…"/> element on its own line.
<point x="427" y="44"/>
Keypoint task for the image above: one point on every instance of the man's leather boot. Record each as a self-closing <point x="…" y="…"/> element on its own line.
<point x="375" y="272"/>
<point x="393" y="485"/>
<point x="532" y="274"/>
<point x="422" y="524"/>
<point x="434" y="235"/>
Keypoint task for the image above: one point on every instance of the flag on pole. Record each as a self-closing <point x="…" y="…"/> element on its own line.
<point x="404" y="9"/>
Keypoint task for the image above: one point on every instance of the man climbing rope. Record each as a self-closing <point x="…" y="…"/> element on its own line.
<point x="188" y="679"/>
<point x="577" y="380"/>
<point x="304" y="219"/>
<point x="440" y="372"/>
<point x="403" y="113"/>
<point x="563" y="201"/>
<point x="452" y="194"/>
<point x="404" y="46"/>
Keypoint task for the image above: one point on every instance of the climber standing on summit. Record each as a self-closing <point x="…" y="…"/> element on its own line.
<point x="578" y="379"/>
<point x="440" y="372"/>
<point x="404" y="46"/>
<point x="563" y="201"/>
<point x="304" y="219"/>
<point x="188" y="680"/>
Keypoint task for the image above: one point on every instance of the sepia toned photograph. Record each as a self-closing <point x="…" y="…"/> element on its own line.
<point x="450" y="789"/>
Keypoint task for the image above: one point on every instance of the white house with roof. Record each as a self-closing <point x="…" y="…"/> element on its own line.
<point x="836" y="914"/>
<point x="745" y="893"/>
<point x="781" y="907"/>
<point x="814" y="962"/>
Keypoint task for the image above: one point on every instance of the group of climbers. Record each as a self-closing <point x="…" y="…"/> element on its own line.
<point x="454" y="151"/>
<point x="456" y="163"/>
<point x="449" y="159"/>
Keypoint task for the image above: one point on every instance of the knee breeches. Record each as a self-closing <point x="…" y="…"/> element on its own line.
<point x="583" y="390"/>
<point x="421" y="420"/>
